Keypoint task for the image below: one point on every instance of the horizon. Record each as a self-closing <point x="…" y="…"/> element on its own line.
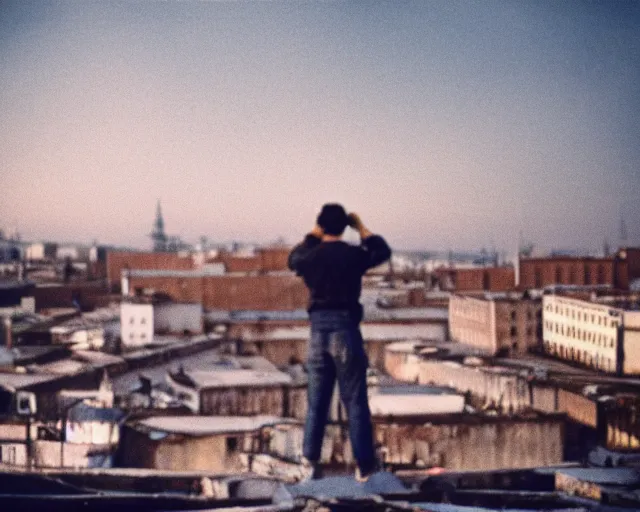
<point x="457" y="125"/>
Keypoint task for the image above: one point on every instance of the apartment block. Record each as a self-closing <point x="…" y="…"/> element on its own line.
<point x="494" y="325"/>
<point x="600" y="336"/>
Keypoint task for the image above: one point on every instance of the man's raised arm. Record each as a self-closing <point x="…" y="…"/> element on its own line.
<point x="300" y="251"/>
<point x="376" y="250"/>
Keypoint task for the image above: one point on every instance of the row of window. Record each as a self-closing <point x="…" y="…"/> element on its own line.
<point x="582" y="356"/>
<point x="582" y="316"/>
<point x="143" y="336"/>
<point x="132" y="320"/>
<point x="580" y="334"/>
<point x="572" y="276"/>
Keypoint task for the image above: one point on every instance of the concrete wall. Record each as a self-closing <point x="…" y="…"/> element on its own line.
<point x="10" y="431"/>
<point x="631" y="343"/>
<point x="177" y="318"/>
<point x="455" y="445"/>
<point x="505" y="391"/>
<point x="472" y="321"/>
<point x="13" y="454"/>
<point x="217" y="453"/>
<point x="578" y="407"/>
<point x="402" y="365"/>
<point x="53" y="454"/>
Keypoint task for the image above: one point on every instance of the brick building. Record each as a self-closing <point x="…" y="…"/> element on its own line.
<point x="266" y="259"/>
<point x="119" y="261"/>
<point x="227" y="292"/>
<point x="496" y="326"/>
<point x="274" y="259"/>
<point x="565" y="270"/>
<point x="489" y="279"/>
<point x="619" y="271"/>
<point x="627" y="268"/>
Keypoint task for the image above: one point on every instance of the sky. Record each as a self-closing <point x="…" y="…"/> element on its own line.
<point x="445" y="124"/>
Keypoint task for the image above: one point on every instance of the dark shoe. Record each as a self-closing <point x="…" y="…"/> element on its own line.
<point x="362" y="476"/>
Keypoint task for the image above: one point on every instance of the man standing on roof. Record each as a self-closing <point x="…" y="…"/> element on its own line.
<point x="333" y="270"/>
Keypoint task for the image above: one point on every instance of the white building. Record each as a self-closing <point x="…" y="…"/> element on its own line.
<point x="601" y="336"/>
<point x="73" y="252"/>
<point x="39" y="251"/>
<point x="136" y="324"/>
<point x="177" y="318"/>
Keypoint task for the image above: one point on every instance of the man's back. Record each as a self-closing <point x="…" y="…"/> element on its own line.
<point x="333" y="270"/>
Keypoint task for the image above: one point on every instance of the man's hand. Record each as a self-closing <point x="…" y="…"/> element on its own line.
<point x="356" y="223"/>
<point x="354" y="220"/>
<point x="317" y="231"/>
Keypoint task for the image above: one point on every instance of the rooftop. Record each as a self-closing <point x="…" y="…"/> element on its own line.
<point x="209" y="360"/>
<point x="237" y="378"/>
<point x="207" y="425"/>
<point x="12" y="381"/>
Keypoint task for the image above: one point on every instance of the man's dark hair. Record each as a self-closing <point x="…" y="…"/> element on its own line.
<point x="333" y="219"/>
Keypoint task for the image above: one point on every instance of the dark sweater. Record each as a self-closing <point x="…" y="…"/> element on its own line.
<point x="333" y="271"/>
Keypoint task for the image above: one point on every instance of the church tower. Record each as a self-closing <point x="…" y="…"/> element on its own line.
<point x="158" y="235"/>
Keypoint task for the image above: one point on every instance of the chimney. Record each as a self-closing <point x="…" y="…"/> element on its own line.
<point x="7" y="332"/>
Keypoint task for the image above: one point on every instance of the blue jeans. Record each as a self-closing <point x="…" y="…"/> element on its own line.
<point x="336" y="351"/>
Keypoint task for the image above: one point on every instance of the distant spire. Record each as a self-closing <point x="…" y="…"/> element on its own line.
<point x="159" y="219"/>
<point x="158" y="235"/>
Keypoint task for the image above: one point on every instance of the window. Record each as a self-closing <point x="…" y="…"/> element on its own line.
<point x="587" y="274"/>
<point x="232" y="444"/>
<point x="514" y="331"/>
<point x="572" y="275"/>
<point x="600" y="274"/>
<point x="132" y="320"/>
<point x="143" y="320"/>
<point x="558" y="274"/>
